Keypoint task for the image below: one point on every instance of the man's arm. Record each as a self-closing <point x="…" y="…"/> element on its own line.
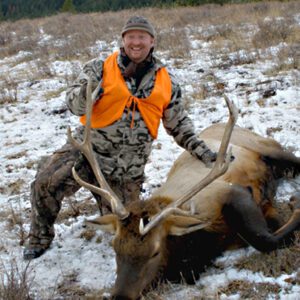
<point x="76" y="93"/>
<point x="180" y="126"/>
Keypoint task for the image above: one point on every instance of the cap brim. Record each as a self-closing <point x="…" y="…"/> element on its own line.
<point x="137" y="28"/>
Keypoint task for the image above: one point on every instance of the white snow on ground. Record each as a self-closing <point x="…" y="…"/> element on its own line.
<point x="33" y="127"/>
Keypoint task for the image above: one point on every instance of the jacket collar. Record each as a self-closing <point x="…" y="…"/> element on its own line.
<point x="151" y="61"/>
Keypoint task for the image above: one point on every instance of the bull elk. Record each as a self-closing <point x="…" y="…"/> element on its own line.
<point x="198" y="212"/>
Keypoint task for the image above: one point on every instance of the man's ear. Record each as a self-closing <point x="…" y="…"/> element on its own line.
<point x="181" y="225"/>
<point x="107" y="223"/>
<point x="153" y="42"/>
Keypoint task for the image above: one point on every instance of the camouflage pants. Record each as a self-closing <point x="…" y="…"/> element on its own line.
<point x="54" y="181"/>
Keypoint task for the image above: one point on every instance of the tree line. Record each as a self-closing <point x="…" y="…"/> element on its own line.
<point x="17" y="9"/>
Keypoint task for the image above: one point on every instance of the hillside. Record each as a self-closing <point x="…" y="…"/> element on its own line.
<point x="21" y="9"/>
<point x="248" y="51"/>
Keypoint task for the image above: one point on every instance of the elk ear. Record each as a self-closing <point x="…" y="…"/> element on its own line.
<point x="107" y="223"/>
<point x="181" y="225"/>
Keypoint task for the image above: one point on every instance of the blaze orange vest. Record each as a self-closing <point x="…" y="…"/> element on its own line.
<point x="116" y="97"/>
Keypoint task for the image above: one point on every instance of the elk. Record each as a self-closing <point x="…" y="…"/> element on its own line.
<point x="198" y="212"/>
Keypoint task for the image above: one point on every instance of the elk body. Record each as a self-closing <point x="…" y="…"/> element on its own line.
<point x="198" y="212"/>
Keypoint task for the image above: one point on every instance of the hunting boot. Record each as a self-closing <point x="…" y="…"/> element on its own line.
<point x="37" y="246"/>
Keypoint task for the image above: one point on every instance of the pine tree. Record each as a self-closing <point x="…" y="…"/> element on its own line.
<point x="68" y="6"/>
<point x="1" y="13"/>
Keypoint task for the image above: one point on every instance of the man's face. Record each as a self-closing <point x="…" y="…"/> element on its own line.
<point x="137" y="44"/>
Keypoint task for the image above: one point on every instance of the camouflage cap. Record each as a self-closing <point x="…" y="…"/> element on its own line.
<point x="138" y="23"/>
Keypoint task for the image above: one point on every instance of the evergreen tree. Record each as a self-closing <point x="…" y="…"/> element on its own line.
<point x="68" y="6"/>
<point x="17" y="9"/>
<point x="1" y="11"/>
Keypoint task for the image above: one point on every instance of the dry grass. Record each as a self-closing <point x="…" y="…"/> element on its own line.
<point x="249" y="290"/>
<point x="69" y="288"/>
<point x="279" y="261"/>
<point x="10" y="93"/>
<point x="176" y="39"/>
<point x="72" y="209"/>
<point x="275" y="263"/>
<point x="237" y="34"/>
<point x="70" y="40"/>
<point x="15" y="187"/>
<point x="15" y="282"/>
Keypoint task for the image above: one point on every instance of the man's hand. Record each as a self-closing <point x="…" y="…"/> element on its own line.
<point x="209" y="157"/>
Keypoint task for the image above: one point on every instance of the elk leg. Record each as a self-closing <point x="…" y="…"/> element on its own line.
<point x="294" y="219"/>
<point x="246" y="218"/>
<point x="273" y="219"/>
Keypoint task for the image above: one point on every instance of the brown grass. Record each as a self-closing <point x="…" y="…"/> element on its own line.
<point x="275" y="263"/>
<point x="72" y="209"/>
<point x="237" y="34"/>
<point x="15" y="282"/>
<point x="8" y="95"/>
<point x="68" y="288"/>
<point x="70" y="39"/>
<point x="248" y="290"/>
<point x="247" y="30"/>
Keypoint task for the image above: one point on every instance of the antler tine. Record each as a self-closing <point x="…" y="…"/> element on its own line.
<point x="220" y="167"/>
<point x="86" y="148"/>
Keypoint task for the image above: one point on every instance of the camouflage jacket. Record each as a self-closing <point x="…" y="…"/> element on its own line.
<point x="123" y="151"/>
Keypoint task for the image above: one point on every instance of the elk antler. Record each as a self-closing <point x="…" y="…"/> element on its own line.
<point x="219" y="168"/>
<point x="87" y="150"/>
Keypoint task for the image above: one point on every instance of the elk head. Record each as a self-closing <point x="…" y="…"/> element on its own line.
<point x="141" y="256"/>
<point x="141" y="229"/>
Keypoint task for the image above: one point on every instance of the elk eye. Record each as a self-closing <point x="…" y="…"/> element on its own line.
<point x="146" y="220"/>
<point x="155" y="254"/>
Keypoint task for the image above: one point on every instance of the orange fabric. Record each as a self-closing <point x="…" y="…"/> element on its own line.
<point x="116" y="97"/>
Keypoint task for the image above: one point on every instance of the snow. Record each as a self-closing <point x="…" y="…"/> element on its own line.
<point x="30" y="130"/>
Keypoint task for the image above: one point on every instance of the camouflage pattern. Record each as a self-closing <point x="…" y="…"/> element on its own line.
<point x="121" y="151"/>
<point x="54" y="181"/>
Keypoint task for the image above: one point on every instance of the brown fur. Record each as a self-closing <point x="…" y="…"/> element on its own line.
<point x="237" y="204"/>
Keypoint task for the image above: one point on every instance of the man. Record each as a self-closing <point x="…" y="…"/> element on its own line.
<point x="132" y="92"/>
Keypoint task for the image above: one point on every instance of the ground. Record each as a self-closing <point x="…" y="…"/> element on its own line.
<point x="250" y="52"/>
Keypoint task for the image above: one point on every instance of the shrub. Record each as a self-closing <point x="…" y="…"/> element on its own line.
<point x="15" y="282"/>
